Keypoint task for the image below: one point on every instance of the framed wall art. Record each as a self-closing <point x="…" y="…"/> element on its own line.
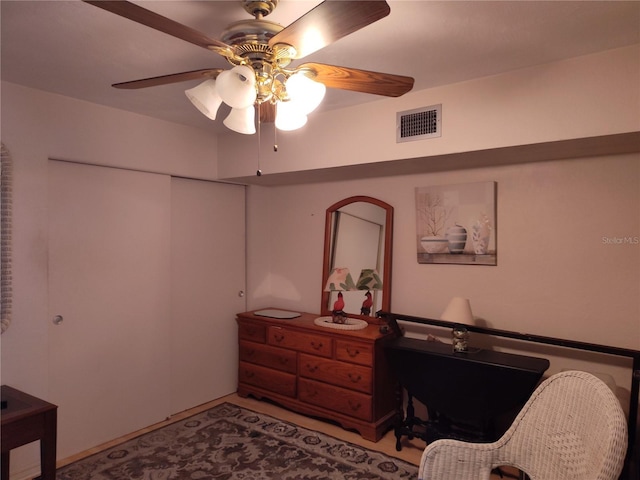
<point x="457" y="224"/>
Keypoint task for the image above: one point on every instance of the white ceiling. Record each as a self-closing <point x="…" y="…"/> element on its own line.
<point x="77" y="50"/>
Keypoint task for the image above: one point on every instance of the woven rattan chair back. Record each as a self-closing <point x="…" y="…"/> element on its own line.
<point x="572" y="428"/>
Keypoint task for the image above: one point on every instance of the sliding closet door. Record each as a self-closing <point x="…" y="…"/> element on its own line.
<point x="109" y="301"/>
<point x="207" y="276"/>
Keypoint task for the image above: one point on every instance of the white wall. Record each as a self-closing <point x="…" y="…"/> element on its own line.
<point x="583" y="97"/>
<point x="555" y="276"/>
<point x="37" y="126"/>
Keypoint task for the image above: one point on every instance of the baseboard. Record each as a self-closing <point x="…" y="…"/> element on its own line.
<point x="28" y="474"/>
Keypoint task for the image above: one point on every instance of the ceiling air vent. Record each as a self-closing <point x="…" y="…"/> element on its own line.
<point x="418" y="124"/>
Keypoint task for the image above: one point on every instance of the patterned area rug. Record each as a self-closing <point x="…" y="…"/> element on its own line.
<point x="232" y="443"/>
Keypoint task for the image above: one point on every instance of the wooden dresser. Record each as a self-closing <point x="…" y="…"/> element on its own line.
<point x="340" y="375"/>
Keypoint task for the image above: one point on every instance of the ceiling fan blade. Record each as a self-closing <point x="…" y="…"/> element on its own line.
<point x="328" y="22"/>
<point x="167" y="79"/>
<point x="267" y="112"/>
<point x="359" y="80"/>
<point x="158" y="22"/>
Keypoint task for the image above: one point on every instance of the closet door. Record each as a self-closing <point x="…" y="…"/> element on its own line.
<point x="109" y="301"/>
<point x="207" y="276"/>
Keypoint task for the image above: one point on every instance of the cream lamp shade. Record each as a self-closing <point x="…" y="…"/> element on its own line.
<point x="369" y="280"/>
<point x="458" y="311"/>
<point x="339" y="280"/>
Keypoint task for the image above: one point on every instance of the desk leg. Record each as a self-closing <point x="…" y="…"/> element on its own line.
<point x="407" y="424"/>
<point x="48" y="447"/>
<point x="399" y="423"/>
<point x="4" y="468"/>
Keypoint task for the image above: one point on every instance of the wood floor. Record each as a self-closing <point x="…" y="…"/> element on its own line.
<point x="411" y="450"/>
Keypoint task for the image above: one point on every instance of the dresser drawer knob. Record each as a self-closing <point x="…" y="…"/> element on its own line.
<point x="284" y="361"/>
<point x="355" y="406"/>
<point x="353" y="352"/>
<point x="278" y="337"/>
<point x="311" y="368"/>
<point x="355" y="378"/>
<point x="316" y="345"/>
<point x="249" y="374"/>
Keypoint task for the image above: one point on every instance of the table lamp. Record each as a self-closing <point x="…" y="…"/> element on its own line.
<point x="459" y="311"/>
<point x="369" y="280"/>
<point x="339" y="280"/>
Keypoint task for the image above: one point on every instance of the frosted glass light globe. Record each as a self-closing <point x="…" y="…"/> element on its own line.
<point x="305" y="92"/>
<point x="289" y="117"/>
<point x="241" y="120"/>
<point x="205" y="98"/>
<point x="237" y="87"/>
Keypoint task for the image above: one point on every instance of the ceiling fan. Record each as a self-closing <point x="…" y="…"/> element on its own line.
<point x="260" y="52"/>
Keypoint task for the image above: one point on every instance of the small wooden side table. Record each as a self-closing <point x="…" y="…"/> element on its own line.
<point x="25" y="419"/>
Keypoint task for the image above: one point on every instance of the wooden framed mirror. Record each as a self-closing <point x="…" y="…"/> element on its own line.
<point x="358" y="235"/>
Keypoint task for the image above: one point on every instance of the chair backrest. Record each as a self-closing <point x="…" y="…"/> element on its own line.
<point x="572" y="428"/>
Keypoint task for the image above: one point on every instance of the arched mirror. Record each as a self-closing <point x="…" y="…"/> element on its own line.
<point x="358" y="244"/>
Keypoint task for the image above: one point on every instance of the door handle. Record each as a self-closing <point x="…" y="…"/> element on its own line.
<point x="58" y="319"/>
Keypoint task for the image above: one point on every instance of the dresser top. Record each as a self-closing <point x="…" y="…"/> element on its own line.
<point x="306" y="321"/>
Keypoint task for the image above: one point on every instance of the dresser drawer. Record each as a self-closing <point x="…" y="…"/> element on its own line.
<point x="268" y="356"/>
<point x="356" y="352"/>
<point x="303" y="342"/>
<point x="342" y="374"/>
<point x="272" y="380"/>
<point x="346" y="402"/>
<point x="252" y="331"/>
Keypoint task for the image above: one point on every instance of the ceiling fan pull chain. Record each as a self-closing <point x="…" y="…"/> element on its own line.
<point x="275" y="139"/>
<point x="259" y="172"/>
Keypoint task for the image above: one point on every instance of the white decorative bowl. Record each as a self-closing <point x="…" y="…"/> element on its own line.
<point x="435" y="244"/>
<point x="350" y="324"/>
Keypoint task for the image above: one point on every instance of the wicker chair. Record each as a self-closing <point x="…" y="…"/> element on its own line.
<point x="572" y="428"/>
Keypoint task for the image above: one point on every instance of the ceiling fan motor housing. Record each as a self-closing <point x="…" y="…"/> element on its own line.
<point x="250" y="40"/>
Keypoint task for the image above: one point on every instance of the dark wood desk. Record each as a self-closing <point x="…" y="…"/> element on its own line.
<point x="469" y="396"/>
<point x="560" y="344"/>
<point x="26" y="419"/>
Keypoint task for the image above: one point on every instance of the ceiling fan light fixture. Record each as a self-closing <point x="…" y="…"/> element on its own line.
<point x="205" y="98"/>
<point x="289" y="116"/>
<point x="305" y="92"/>
<point x="241" y="120"/>
<point x="237" y="87"/>
<point x="260" y="52"/>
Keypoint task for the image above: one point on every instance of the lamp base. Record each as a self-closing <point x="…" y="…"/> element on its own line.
<point x="338" y="316"/>
<point x="460" y="337"/>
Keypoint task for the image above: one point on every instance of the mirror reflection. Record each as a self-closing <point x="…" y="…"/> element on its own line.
<point x="357" y="257"/>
